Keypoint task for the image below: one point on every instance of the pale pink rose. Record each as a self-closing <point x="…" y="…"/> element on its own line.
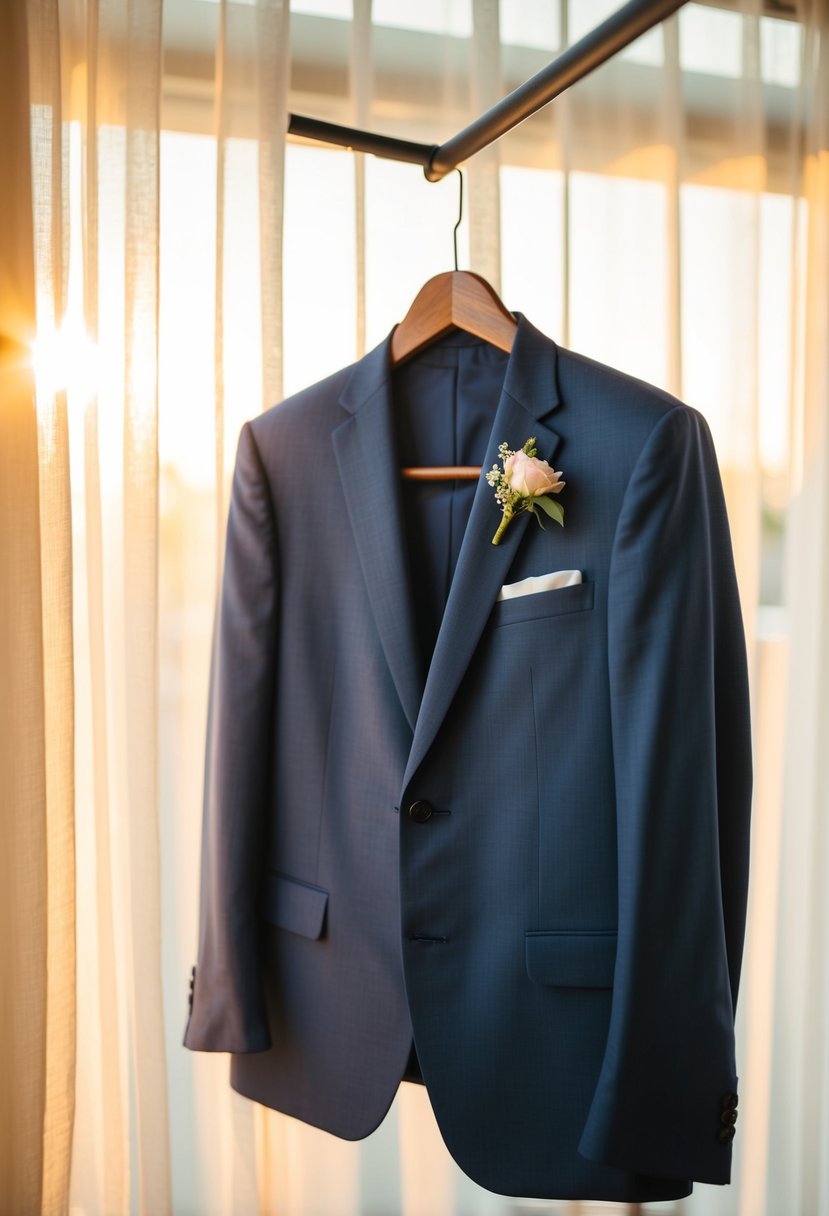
<point x="531" y="477"/>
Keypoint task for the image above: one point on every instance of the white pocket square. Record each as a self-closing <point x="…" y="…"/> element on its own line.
<point x="540" y="582"/>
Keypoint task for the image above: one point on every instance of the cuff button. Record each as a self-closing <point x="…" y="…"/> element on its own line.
<point x="726" y="1135"/>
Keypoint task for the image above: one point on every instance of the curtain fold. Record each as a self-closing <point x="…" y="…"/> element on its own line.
<point x="669" y="215"/>
<point x="361" y="86"/>
<point x="23" y="828"/>
<point x="51" y="247"/>
<point x="272" y="38"/>
<point x="484" y="197"/>
<point x="798" y="1172"/>
<point x="138" y="756"/>
<point x="100" y="1176"/>
<point x="37" y="907"/>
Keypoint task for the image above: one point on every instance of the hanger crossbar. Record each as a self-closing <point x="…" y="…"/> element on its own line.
<point x="387" y="146"/>
<point x="608" y="38"/>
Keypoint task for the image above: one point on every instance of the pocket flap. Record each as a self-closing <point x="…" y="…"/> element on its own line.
<point x="294" y="905"/>
<point x="572" y="959"/>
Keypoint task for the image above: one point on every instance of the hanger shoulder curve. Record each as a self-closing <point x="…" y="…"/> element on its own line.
<point x="455" y="299"/>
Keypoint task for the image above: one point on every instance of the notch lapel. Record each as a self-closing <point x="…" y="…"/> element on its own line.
<point x="366" y="450"/>
<point x="529" y="392"/>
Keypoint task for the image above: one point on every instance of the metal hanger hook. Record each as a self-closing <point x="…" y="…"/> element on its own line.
<point x="460" y="215"/>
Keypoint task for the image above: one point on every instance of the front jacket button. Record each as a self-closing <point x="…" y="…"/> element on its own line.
<point x="420" y="811"/>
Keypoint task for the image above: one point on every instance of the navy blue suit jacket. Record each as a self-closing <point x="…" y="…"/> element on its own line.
<point x="512" y="831"/>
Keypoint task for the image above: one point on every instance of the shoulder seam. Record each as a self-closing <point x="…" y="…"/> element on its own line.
<point x="679" y="410"/>
<point x="263" y="477"/>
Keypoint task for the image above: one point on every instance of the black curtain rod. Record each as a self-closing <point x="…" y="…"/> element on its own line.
<point x="608" y="38"/>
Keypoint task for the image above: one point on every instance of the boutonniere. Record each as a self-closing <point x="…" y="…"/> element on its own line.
<point x="524" y="485"/>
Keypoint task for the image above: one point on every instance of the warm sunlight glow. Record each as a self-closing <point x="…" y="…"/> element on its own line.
<point x="65" y="359"/>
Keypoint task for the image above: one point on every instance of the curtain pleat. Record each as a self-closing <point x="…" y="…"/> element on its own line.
<point x="562" y="114"/>
<point x="100" y="1179"/>
<point x="23" y="777"/>
<point x="102" y="1109"/>
<point x="361" y="85"/>
<point x="221" y="124"/>
<point x="121" y="1145"/>
<point x="483" y="198"/>
<point x="37" y="936"/>
<point x="272" y="40"/>
<point x="59" y="699"/>
<point x="674" y="165"/>
<point x="23" y="811"/>
<point x="139" y="754"/>
<point x="756" y="984"/>
<point x="740" y="450"/>
<point x="249" y="67"/>
<point x="50" y="200"/>
<point x="798" y="1172"/>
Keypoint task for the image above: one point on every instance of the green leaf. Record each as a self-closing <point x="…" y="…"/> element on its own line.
<point x="554" y="509"/>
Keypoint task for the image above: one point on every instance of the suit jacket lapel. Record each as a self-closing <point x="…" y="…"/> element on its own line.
<point x="529" y="393"/>
<point x="366" y="452"/>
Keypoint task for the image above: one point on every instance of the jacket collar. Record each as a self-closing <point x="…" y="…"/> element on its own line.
<point x="369" y="468"/>
<point x="530" y="376"/>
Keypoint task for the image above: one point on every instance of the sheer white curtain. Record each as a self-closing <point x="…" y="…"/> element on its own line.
<point x="797" y="1083"/>
<point x="669" y="216"/>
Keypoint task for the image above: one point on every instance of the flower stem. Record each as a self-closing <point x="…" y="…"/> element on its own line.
<point x="506" y="517"/>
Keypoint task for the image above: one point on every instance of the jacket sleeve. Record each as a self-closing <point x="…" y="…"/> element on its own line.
<point x="227" y="1011"/>
<point x="682" y="758"/>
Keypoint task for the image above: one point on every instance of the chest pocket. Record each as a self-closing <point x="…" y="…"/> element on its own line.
<point x="543" y="604"/>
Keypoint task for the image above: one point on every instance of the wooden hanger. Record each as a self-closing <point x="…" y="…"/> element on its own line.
<point x="456" y="299"/>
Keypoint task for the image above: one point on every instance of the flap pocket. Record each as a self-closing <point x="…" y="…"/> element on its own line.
<point x="571" y="959"/>
<point x="294" y="905"/>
